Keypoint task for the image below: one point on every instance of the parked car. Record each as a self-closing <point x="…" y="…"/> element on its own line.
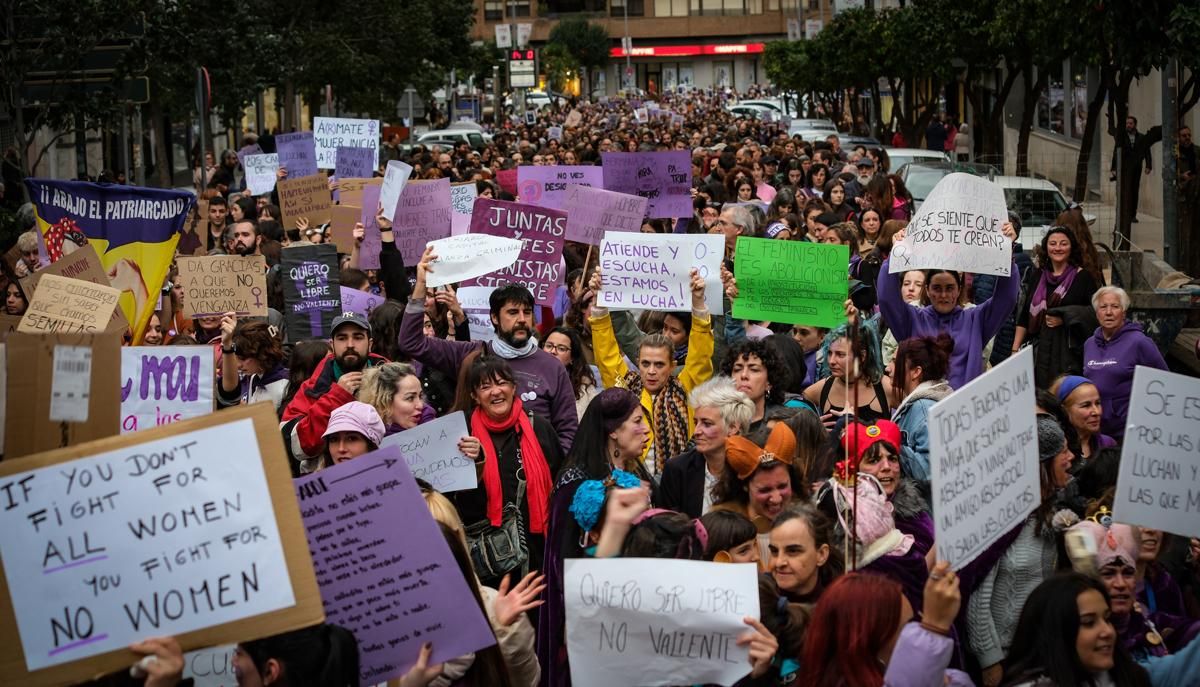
<point x="751" y="111"/>
<point x="472" y="138"/>
<point x="823" y="124"/>
<point x="898" y="157"/>
<point x="920" y="177"/>
<point x="1038" y="203"/>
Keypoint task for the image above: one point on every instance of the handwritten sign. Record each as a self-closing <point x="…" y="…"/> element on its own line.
<point x="342" y="219"/>
<point x="210" y="667"/>
<point x="984" y="459"/>
<point x="431" y="451"/>
<point x="311" y="294"/>
<point x="546" y="186"/>
<point x="69" y="306"/>
<point x="355" y="163"/>
<point x="260" y="172"/>
<point x="958" y="227"/>
<point x="643" y="621"/>
<point x="464" y="257"/>
<point x="217" y="284"/>
<point x="794" y="282"/>
<point x="161" y="537"/>
<point x="372" y="244"/>
<point x="665" y="178"/>
<point x="593" y="211"/>
<point x="161" y="385"/>
<point x="476" y="302"/>
<point x="331" y="133"/>
<point x="422" y="215"/>
<point x="541" y="231"/>
<point x="297" y="154"/>
<point x="462" y="202"/>
<point x="350" y="191"/>
<point x="246" y="151"/>
<point x="306" y="197"/>
<point x="395" y="587"/>
<point x="360" y="302"/>
<point x="1159" y="481"/>
<point x="639" y="271"/>
<point x="554" y="133"/>
<point x="394" y="179"/>
<point x="82" y="264"/>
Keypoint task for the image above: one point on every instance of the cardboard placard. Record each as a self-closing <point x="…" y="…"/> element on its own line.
<point x="350" y="191"/>
<point x="341" y="226"/>
<point x="462" y="202"/>
<point x="422" y="215"/>
<point x="360" y="302"/>
<point x="431" y="451"/>
<point x="794" y="282"/>
<point x="217" y="284"/>
<point x="959" y="227"/>
<point x="168" y="491"/>
<point x="306" y="197"/>
<point x="372" y="243"/>
<point x="8" y="325"/>
<point x="311" y="295"/>
<point x="165" y="384"/>
<point x="546" y="186"/>
<point x="394" y="179"/>
<point x="593" y="211"/>
<point x="66" y="305"/>
<point x="541" y="232"/>
<point x="354" y="163"/>
<point x="260" y="173"/>
<point x="476" y="305"/>
<point x="653" y="271"/>
<point x="665" y="178"/>
<point x="83" y="264"/>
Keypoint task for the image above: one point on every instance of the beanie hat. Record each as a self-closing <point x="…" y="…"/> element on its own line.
<point x="1051" y="439"/>
<point x="859" y="437"/>
<point x="356" y="417"/>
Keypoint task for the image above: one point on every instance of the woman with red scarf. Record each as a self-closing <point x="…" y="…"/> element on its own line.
<point x="519" y="455"/>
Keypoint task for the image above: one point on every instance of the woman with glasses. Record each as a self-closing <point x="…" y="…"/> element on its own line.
<point x="252" y="364"/>
<point x="566" y="344"/>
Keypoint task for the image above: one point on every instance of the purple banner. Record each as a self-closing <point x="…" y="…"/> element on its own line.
<point x="368" y="252"/>
<point x="665" y="179"/>
<point x="360" y="302"/>
<point x="547" y="186"/>
<point x="354" y="163"/>
<point x="395" y="588"/>
<point x="422" y="215"/>
<point x="541" y="232"/>
<point x="310" y="291"/>
<point x="297" y="154"/>
<point x="593" y="211"/>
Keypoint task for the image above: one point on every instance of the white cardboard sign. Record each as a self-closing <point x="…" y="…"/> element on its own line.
<point x="260" y="172"/>
<point x="652" y="271"/>
<point x="331" y="132"/>
<point x="467" y="256"/>
<point x="431" y="451"/>
<point x="477" y="305"/>
<point x="959" y="227"/>
<point x="983" y="456"/>
<point x="394" y="179"/>
<point x="165" y="384"/>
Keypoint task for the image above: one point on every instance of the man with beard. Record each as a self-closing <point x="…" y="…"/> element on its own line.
<point x="334" y="383"/>
<point x="246" y="239"/>
<point x="542" y="382"/>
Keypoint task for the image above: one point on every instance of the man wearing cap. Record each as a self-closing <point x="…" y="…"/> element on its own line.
<point x="855" y="189"/>
<point x="333" y="384"/>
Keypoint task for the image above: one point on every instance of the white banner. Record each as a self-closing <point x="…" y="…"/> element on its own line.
<point x="260" y="172"/>
<point x="431" y="451"/>
<point x="165" y="384"/>
<point x="331" y="132"/>
<point x="959" y="227"/>
<point x="394" y="178"/>
<point x="467" y="256"/>
<point x="652" y="271"/>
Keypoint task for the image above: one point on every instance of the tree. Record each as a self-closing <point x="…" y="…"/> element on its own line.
<point x="586" y="43"/>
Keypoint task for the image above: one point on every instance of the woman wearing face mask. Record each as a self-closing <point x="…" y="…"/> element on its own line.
<point x="760" y="482"/>
<point x="1080" y="399"/>
<point x="688" y="480"/>
<point x="803" y="559"/>
<point x="919" y="378"/>
<point x="354" y="429"/>
<point x="1056" y="317"/>
<point x="394" y="390"/>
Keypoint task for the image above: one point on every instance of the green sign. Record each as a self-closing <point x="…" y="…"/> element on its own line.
<point x="794" y="282"/>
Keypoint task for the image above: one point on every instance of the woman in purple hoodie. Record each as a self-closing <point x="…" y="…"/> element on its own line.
<point x="1112" y="353"/>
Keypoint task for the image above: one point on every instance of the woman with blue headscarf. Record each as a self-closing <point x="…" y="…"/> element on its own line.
<point x="1080" y="400"/>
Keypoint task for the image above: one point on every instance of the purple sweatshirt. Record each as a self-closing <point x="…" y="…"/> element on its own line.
<point x="542" y="381"/>
<point x="970" y="328"/>
<point x="1109" y="363"/>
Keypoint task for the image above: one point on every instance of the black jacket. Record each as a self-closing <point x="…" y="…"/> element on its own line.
<point x="682" y="486"/>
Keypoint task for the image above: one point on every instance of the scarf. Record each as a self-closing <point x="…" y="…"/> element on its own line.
<point x="536" y="470"/>
<point x="1039" y="303"/>
<point x="669" y="417"/>
<point x="509" y="352"/>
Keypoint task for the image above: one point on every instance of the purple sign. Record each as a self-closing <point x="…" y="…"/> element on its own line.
<point x="547" y="186"/>
<point x="355" y="163"/>
<point x="593" y="211"/>
<point x="368" y="252"/>
<point x="422" y="215"/>
<point x="310" y="290"/>
<point x="395" y="588"/>
<point x="252" y="149"/>
<point x="360" y="302"/>
<point x="297" y="154"/>
<point x="665" y="179"/>
<point x="541" y="232"/>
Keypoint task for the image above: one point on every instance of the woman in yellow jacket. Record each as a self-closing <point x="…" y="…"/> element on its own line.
<point x="664" y="395"/>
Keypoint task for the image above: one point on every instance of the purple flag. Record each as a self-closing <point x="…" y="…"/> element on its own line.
<point x="664" y="178"/>
<point x="593" y="211"/>
<point x="395" y="588"/>
<point x="541" y="231"/>
<point x="368" y="252"/>
<point x="354" y="163"/>
<point x="360" y="302"/>
<point x="547" y="186"/>
<point x="422" y="215"/>
<point x="297" y="154"/>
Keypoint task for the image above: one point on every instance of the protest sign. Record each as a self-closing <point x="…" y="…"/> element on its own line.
<point x="554" y="133"/>
<point x="70" y="306"/>
<point x="464" y="257"/>
<point x="211" y="666"/>
<point x="431" y="451"/>
<point x="3" y="394"/>
<point x="297" y="154"/>
<point x="643" y="621"/>
<point x="639" y="271"/>
<point x="311" y="295"/>
<point x="462" y="202"/>
<point x="306" y="197"/>
<point x="331" y="133"/>
<point x="68" y="385"/>
<point x="984" y="460"/>
<point x="350" y="191"/>
<point x="958" y="227"/>
<point x="260" y="172"/>
<point x="372" y="243"/>
<point x="547" y="186"/>
<point x="342" y="219"/>
<point x="1158" y="485"/>
<point x="84" y="265"/>
<point x="422" y="215"/>
<point x="247" y="151"/>
<point x="394" y="180"/>
<point x="794" y="282"/>
<point x="164" y="532"/>
<point x="540" y="230"/>
<point x="161" y="385"/>
<point x="507" y="180"/>
<point x="395" y="588"/>
<point x="477" y="306"/>
<point x="217" y="284"/>
<point x="574" y="119"/>
<point x="360" y="302"/>
<point x="135" y="230"/>
<point x="665" y="178"/>
<point x="354" y="163"/>
<point x="8" y="325"/>
<point x="593" y="211"/>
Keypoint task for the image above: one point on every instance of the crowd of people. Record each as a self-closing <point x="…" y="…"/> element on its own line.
<point x="801" y="450"/>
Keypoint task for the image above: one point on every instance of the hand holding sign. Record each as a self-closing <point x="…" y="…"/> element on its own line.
<point x="959" y="227"/>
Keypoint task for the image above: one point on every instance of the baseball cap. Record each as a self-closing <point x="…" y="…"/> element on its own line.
<point x="864" y="161"/>
<point x="770" y="160"/>
<point x="350" y="317"/>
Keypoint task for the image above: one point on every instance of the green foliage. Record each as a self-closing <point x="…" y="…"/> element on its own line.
<point x="586" y="43"/>
<point x="558" y="65"/>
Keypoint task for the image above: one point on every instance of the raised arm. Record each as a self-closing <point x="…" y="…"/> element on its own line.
<point x="444" y="355"/>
